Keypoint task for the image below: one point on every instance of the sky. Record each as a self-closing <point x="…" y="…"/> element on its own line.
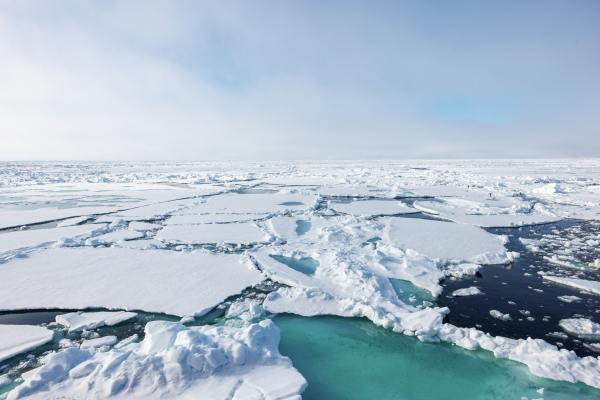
<point x="276" y="80"/>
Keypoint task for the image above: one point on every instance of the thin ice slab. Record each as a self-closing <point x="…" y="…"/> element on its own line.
<point x="581" y="284"/>
<point x="77" y="321"/>
<point x="17" y="339"/>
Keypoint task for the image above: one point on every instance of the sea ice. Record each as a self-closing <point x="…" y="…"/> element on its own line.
<point x="470" y="291"/>
<point x="143" y="226"/>
<point x="173" y="361"/>
<point x="581" y="327"/>
<point x="499" y="315"/>
<point x="490" y="213"/>
<point x="581" y="284"/>
<point x="461" y="270"/>
<point x="569" y="299"/>
<point x="357" y="257"/>
<point x="370" y="208"/>
<point x="31" y="238"/>
<point x="171" y="282"/>
<point x="237" y="233"/>
<point x="542" y="358"/>
<point x="117" y="236"/>
<point x="77" y="321"/>
<point x="98" y="342"/>
<point x="50" y="202"/>
<point x="16" y="339"/>
<point x="446" y="240"/>
<point x="192" y="219"/>
<point x="252" y="203"/>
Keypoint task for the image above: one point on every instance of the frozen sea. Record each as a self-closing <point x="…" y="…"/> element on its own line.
<point x="341" y="280"/>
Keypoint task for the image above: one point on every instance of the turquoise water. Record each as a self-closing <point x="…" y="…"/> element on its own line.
<point x="409" y="293"/>
<point x="306" y="265"/>
<point x="302" y="227"/>
<point x="351" y="359"/>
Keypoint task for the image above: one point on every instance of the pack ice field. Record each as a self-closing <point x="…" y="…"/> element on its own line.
<point x="322" y="280"/>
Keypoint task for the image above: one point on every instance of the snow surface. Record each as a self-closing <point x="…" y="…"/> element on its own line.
<point x="446" y="241"/>
<point x="77" y="321"/>
<point x="117" y="278"/>
<point x="492" y="212"/>
<point x="369" y="208"/>
<point x="173" y="361"/>
<point x="118" y="236"/>
<point x="143" y="226"/>
<point x="12" y="241"/>
<point x="238" y="233"/>
<point x="252" y="203"/>
<point x="16" y="339"/>
<point x="191" y="219"/>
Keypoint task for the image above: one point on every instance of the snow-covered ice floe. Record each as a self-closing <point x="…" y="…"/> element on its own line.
<point x="447" y="241"/>
<point x="581" y="327"/>
<point x="16" y="339"/>
<point x="470" y="291"/>
<point x="208" y="362"/>
<point x="117" y="278"/>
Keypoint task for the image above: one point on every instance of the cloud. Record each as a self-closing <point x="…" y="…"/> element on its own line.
<point x="280" y="80"/>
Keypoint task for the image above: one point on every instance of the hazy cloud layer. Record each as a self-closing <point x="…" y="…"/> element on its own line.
<point x="298" y="79"/>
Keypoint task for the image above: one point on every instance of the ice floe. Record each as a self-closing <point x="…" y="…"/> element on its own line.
<point x="16" y="339"/>
<point x="470" y="291"/>
<point x="581" y="327"/>
<point x="77" y="321"/>
<point x="581" y="284"/>
<point x="542" y="358"/>
<point x="370" y="208"/>
<point x="252" y="203"/>
<point x="237" y="233"/>
<point x="17" y="242"/>
<point x="500" y="315"/>
<point x="446" y="241"/>
<point x="569" y="299"/>
<point x="173" y="360"/>
<point x="170" y="282"/>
